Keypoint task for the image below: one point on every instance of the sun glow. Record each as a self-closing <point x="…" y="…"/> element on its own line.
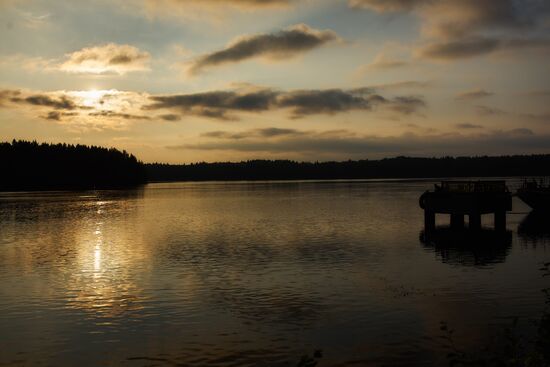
<point x="92" y="98"/>
<point x="95" y="98"/>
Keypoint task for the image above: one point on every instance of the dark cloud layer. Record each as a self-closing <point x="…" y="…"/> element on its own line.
<point x="283" y="44"/>
<point x="346" y="143"/>
<point x="7" y="95"/>
<point x="113" y="114"/>
<point x="467" y="125"/>
<point x="270" y="132"/>
<point x="407" y="84"/>
<point x="471" y="47"/>
<point x="459" y="49"/>
<point x="61" y="103"/>
<point x="253" y="3"/>
<point x="219" y="104"/>
<point x="215" y="104"/>
<point x="473" y="94"/>
<point x="170" y="117"/>
<point x="386" y="5"/>
<point x="488" y="111"/>
<point x="247" y="4"/>
<point x="467" y="28"/>
<point x="406" y="105"/>
<point x="57" y="115"/>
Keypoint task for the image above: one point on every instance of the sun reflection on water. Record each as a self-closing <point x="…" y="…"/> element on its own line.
<point x="103" y="284"/>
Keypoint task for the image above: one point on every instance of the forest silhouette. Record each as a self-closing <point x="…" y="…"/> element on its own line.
<point x="399" y="167"/>
<point x="27" y="165"/>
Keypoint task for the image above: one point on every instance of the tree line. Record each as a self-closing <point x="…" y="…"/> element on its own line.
<point x="399" y="167"/>
<point x="26" y="165"/>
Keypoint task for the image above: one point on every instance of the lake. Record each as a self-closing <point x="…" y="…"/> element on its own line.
<point x="255" y="274"/>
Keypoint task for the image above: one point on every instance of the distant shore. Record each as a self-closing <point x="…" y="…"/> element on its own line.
<point x="389" y="168"/>
<point x="30" y="166"/>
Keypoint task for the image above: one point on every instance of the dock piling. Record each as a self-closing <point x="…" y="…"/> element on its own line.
<point x="474" y="221"/>
<point x="500" y="220"/>
<point x="429" y="220"/>
<point x="457" y="220"/>
<point x="472" y="198"/>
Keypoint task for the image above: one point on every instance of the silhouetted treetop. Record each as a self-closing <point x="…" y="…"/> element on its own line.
<point x="29" y="165"/>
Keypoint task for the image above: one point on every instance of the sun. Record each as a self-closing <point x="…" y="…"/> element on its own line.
<point x="92" y="98"/>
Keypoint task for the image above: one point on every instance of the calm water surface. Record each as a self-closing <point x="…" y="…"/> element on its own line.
<point x="253" y="274"/>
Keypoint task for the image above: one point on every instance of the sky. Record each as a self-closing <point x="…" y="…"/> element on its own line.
<point x="181" y="81"/>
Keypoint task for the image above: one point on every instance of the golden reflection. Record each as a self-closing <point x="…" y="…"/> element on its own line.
<point x="103" y="282"/>
<point x="97" y="258"/>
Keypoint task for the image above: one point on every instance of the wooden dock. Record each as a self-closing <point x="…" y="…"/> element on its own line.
<point x="471" y="198"/>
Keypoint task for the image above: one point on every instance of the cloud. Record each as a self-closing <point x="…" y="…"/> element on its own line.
<point x="53" y="115"/>
<point x="468" y="28"/>
<point x="33" y="21"/>
<point x="540" y="118"/>
<point x="192" y="10"/>
<point x="468" y="126"/>
<point x="57" y="115"/>
<point x="346" y="144"/>
<point x="382" y="62"/>
<point x="489" y="111"/>
<point x="538" y="93"/>
<point x="237" y="3"/>
<point x="407" y="84"/>
<point x="458" y="49"/>
<point x="221" y="104"/>
<point x="406" y="105"/>
<point x="473" y="94"/>
<point x="125" y="116"/>
<point x="452" y="19"/>
<point x="270" y="132"/>
<point x="28" y="64"/>
<point x="215" y="104"/>
<point x="58" y="103"/>
<point x="521" y="132"/>
<point x="170" y="117"/>
<point x="7" y="95"/>
<point x="383" y="6"/>
<point x="280" y="45"/>
<point x="476" y="46"/>
<point x="80" y="110"/>
<point x="308" y="102"/>
<point x="104" y="59"/>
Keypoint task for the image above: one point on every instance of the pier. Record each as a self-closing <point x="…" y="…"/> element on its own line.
<point x="467" y="198"/>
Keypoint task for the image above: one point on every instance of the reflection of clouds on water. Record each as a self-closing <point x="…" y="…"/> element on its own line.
<point x="469" y="248"/>
<point x="534" y="229"/>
